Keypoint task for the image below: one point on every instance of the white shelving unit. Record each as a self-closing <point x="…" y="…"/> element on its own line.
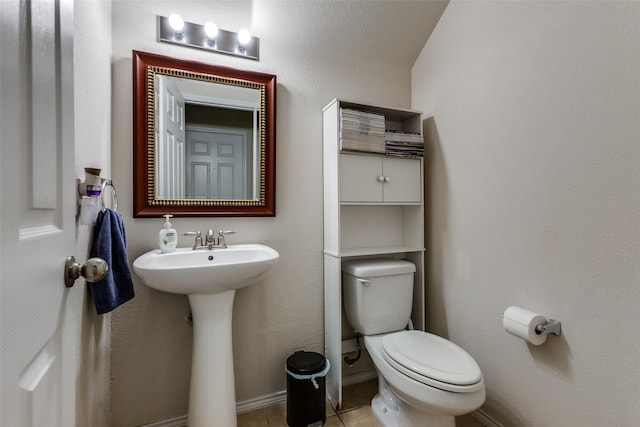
<point x="373" y="207"/>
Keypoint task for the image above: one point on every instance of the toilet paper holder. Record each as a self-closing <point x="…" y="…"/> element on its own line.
<point x="552" y="326"/>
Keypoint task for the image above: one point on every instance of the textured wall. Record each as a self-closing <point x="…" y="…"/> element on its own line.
<point x="151" y="342"/>
<point x="534" y="178"/>
<point x="92" y="94"/>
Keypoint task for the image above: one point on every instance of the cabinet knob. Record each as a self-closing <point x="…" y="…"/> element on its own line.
<point x="387" y="179"/>
<point x="381" y="178"/>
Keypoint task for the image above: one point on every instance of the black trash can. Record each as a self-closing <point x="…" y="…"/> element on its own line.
<point x="306" y="393"/>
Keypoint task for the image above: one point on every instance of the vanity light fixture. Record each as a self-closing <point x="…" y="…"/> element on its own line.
<point x="177" y="25"/>
<point x="208" y="37"/>
<point x="211" y="31"/>
<point x="244" y="38"/>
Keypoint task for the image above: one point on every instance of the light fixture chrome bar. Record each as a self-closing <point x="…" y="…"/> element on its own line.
<point x="193" y="36"/>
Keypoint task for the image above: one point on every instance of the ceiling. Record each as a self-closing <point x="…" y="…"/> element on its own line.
<point x="389" y="30"/>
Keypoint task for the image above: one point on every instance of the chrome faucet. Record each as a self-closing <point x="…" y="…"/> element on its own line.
<point x="211" y="240"/>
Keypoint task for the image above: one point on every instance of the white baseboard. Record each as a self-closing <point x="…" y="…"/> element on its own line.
<point x="485" y="419"/>
<point x="171" y="422"/>
<point x="261" y="402"/>
<point x="241" y="407"/>
<point x="359" y="378"/>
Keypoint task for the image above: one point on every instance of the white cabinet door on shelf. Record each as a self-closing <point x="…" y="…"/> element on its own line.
<point x="402" y="180"/>
<point x="359" y="178"/>
<point x="379" y="179"/>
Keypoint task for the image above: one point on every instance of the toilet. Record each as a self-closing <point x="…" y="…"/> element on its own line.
<point x="423" y="380"/>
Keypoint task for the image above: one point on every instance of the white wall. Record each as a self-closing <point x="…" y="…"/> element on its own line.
<point x="534" y="192"/>
<point x="92" y="98"/>
<point x="151" y="342"/>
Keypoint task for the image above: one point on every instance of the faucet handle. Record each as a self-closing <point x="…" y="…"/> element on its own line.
<point x="221" y="235"/>
<point x="192" y="233"/>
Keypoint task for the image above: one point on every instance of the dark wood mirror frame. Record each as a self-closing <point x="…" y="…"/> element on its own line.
<point x="145" y="202"/>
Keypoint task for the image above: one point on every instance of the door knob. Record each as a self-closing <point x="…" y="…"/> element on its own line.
<point x="93" y="270"/>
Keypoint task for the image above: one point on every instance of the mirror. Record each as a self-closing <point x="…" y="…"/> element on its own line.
<point x="204" y="139"/>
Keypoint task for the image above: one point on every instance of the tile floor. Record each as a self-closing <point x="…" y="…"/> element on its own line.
<point x="356" y="411"/>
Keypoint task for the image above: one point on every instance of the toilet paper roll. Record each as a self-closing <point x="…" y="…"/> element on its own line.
<point x="522" y="324"/>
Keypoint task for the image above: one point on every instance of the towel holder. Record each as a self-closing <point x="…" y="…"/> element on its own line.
<point x="93" y="197"/>
<point x="114" y="195"/>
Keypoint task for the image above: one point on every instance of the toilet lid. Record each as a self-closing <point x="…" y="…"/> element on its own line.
<point x="432" y="360"/>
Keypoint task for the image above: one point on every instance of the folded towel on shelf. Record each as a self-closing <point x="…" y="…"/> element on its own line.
<point x="110" y="244"/>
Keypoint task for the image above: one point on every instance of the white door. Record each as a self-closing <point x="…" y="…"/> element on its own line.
<point x="216" y="163"/>
<point x="171" y="140"/>
<point x="37" y="217"/>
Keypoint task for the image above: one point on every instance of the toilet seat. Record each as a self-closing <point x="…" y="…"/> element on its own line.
<point x="432" y="360"/>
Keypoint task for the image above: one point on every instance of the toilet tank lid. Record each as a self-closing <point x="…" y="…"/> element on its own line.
<point x="377" y="267"/>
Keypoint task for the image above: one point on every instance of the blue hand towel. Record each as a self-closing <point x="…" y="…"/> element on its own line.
<point x="110" y="244"/>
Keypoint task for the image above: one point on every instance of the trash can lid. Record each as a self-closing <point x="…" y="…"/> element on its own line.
<point x="305" y="362"/>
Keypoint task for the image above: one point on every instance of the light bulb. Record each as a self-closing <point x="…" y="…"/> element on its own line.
<point x="211" y="30"/>
<point x="176" y="22"/>
<point x="244" y="37"/>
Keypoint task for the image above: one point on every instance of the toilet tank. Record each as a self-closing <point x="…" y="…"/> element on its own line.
<point x="378" y="294"/>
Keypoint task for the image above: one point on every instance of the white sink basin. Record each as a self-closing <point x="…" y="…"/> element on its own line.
<point x="210" y="279"/>
<point x="203" y="271"/>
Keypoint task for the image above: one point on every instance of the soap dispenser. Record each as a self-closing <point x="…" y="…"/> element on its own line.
<point x="168" y="237"/>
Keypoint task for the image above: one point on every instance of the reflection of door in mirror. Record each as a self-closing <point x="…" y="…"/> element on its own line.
<point x="215" y="163"/>
<point x="171" y="141"/>
<point x="207" y="140"/>
<point x="220" y="158"/>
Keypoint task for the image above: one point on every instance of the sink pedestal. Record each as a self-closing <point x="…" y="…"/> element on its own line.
<point x="210" y="279"/>
<point x="212" y="395"/>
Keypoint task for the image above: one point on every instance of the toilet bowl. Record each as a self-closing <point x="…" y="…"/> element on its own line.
<point x="419" y="391"/>
<point x="423" y="380"/>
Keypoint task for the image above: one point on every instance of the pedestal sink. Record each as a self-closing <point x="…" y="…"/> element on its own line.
<point x="210" y="279"/>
